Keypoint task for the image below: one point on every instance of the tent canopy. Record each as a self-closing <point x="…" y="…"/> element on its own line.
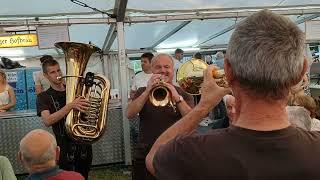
<point x="165" y="24"/>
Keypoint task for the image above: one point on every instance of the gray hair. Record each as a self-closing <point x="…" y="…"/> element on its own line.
<point x="266" y="54"/>
<point x="299" y="117"/>
<point x="157" y="56"/>
<point x="48" y="155"/>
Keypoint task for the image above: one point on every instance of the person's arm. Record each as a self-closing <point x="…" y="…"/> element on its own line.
<point x="211" y="96"/>
<point x="182" y="106"/>
<point x="37" y="83"/>
<point x="38" y="89"/>
<point x="12" y="100"/>
<point x="6" y="170"/>
<point x="50" y="119"/>
<point x="135" y="106"/>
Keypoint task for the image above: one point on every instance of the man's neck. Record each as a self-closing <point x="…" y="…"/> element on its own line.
<point x="261" y="115"/>
<point x="58" y="87"/>
<point x="42" y="167"/>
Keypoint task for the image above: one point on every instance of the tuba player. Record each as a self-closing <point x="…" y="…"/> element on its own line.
<point x="52" y="108"/>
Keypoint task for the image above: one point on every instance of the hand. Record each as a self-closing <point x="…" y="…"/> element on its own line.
<point x="2" y="110"/>
<point x="210" y="91"/>
<point x="80" y="104"/>
<point x="174" y="94"/>
<point x="153" y="81"/>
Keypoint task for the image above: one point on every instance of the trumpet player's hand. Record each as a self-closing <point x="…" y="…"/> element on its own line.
<point x="154" y="80"/>
<point x="80" y="104"/>
<point x="174" y="93"/>
<point x="211" y="93"/>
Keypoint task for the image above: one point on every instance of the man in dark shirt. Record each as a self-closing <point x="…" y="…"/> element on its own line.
<point x="265" y="58"/>
<point x="52" y="108"/>
<point x="38" y="154"/>
<point x="155" y="120"/>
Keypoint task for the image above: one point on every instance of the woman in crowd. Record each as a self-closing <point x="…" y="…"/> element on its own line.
<point x="7" y="96"/>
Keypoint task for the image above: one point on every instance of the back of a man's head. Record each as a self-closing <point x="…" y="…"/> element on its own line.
<point x="266" y="54"/>
<point x="38" y="147"/>
<point x="147" y="55"/>
<point x="48" y="62"/>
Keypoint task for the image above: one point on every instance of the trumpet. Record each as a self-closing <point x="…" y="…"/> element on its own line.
<point x="190" y="76"/>
<point x="160" y="96"/>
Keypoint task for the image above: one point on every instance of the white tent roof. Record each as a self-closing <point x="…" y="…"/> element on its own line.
<point x="213" y="30"/>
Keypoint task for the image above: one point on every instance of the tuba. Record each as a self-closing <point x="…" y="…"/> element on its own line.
<point x="89" y="126"/>
<point x="190" y="76"/>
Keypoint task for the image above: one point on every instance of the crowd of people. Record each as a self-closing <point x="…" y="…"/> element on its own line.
<point x="271" y="130"/>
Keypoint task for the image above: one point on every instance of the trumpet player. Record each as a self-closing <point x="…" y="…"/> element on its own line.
<point x="155" y="120"/>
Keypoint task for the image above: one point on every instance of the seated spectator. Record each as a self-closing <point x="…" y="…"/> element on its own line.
<point x="6" y="171"/>
<point x="7" y="95"/>
<point x="39" y="153"/>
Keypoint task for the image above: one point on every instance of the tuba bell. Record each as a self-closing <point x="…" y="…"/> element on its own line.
<point x="190" y="76"/>
<point x="89" y="126"/>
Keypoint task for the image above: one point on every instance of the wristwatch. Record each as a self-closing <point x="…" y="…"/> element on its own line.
<point x="180" y="100"/>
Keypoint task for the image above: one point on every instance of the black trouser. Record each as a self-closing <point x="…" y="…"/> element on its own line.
<point x="74" y="157"/>
<point x="140" y="171"/>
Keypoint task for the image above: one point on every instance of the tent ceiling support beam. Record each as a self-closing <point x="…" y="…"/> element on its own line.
<point x="308" y="18"/>
<point x="120" y="11"/>
<point x="193" y="15"/>
<point x="171" y="33"/>
<point x="111" y="36"/>
<point x="233" y="26"/>
<point x="293" y="10"/>
<point x="216" y="35"/>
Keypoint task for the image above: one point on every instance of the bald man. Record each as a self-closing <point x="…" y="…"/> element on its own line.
<point x="39" y="153"/>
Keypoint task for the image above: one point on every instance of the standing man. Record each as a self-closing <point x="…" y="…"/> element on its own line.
<point x="141" y="79"/>
<point x="39" y="153"/>
<point x="41" y="83"/>
<point x="265" y="58"/>
<point x="155" y="120"/>
<point x="178" y="61"/>
<point x="52" y="107"/>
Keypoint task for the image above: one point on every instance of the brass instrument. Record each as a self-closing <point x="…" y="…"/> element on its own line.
<point x="190" y="76"/>
<point x="160" y="95"/>
<point x="89" y="126"/>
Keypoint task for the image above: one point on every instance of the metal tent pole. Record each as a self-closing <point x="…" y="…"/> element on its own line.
<point x="124" y="91"/>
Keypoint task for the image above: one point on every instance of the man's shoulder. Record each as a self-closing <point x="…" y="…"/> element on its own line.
<point x="70" y="175"/>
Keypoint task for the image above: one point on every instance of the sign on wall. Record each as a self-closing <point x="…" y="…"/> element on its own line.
<point x="21" y="40"/>
<point x="48" y="35"/>
<point x="312" y="30"/>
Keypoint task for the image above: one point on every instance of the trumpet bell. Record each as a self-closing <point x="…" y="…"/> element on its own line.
<point x="160" y="96"/>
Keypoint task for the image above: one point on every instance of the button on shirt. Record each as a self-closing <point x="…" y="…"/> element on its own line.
<point x="140" y="80"/>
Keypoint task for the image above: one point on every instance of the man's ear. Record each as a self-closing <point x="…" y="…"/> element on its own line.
<point x="305" y="67"/>
<point x="19" y="157"/>
<point x="57" y="153"/>
<point x="228" y="70"/>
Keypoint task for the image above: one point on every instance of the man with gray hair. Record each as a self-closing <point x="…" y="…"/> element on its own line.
<point x="265" y="58"/>
<point x="156" y="119"/>
<point x="39" y="153"/>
